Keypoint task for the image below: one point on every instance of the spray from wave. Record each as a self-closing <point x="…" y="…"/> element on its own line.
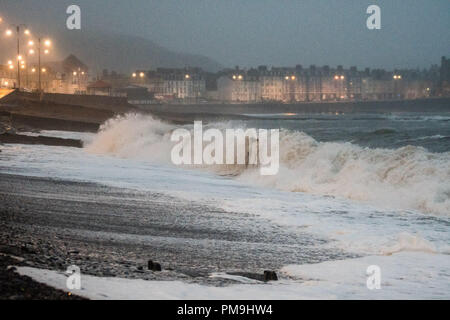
<point x="408" y="178"/>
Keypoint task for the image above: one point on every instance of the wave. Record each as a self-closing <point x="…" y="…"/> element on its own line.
<point x="419" y="118"/>
<point x="383" y="131"/>
<point x="409" y="178"/>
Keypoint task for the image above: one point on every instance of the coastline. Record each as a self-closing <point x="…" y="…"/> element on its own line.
<point x="52" y="224"/>
<point x="112" y="232"/>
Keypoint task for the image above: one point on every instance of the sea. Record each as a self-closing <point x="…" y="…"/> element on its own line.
<point x="376" y="185"/>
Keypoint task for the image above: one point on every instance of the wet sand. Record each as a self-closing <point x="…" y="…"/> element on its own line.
<point x="114" y="232"/>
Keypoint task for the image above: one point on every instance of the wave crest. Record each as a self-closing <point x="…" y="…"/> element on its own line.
<point x="409" y="178"/>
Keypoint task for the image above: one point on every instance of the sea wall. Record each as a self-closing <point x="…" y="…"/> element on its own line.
<point x="420" y="105"/>
<point x="113" y="104"/>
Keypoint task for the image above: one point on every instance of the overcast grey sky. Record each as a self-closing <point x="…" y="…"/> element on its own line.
<point x="273" y="32"/>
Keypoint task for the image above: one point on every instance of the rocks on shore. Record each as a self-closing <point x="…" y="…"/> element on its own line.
<point x="270" y="275"/>
<point x="154" y="266"/>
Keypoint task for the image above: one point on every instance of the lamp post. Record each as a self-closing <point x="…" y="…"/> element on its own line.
<point x="78" y="74"/>
<point x="340" y="83"/>
<point x="47" y="43"/>
<point x="9" y="33"/>
<point x="291" y="87"/>
<point x="396" y="78"/>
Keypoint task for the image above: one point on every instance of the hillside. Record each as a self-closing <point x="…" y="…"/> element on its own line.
<point x="122" y="53"/>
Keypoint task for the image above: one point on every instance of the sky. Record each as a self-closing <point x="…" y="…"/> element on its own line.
<point x="414" y="33"/>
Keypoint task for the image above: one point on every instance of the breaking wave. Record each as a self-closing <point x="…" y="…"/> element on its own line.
<point x="409" y="178"/>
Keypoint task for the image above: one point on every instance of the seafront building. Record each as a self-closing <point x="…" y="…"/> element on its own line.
<point x="187" y="84"/>
<point x="255" y="85"/>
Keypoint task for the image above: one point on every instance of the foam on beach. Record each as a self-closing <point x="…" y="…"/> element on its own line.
<point x="409" y="178"/>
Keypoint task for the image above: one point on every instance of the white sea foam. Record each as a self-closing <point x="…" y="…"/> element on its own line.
<point x="409" y="178"/>
<point x="402" y="277"/>
<point x="411" y="248"/>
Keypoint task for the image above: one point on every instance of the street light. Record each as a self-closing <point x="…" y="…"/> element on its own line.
<point x="9" y="32"/>
<point x="47" y="43"/>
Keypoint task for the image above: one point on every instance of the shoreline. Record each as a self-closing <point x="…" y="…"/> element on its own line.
<point x="112" y="232"/>
<point x="9" y="138"/>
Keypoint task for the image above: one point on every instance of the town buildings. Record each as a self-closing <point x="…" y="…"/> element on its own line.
<point x="68" y="76"/>
<point x="444" y="77"/>
<point x="264" y="84"/>
<point x="170" y="84"/>
<point x="239" y="86"/>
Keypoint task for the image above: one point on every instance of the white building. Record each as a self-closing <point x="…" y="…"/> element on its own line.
<point x="186" y="84"/>
<point x="239" y="87"/>
<point x="185" y="87"/>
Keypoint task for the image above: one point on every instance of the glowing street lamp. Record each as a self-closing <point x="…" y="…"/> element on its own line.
<point x="187" y="76"/>
<point x="47" y="43"/>
<point x="9" y="33"/>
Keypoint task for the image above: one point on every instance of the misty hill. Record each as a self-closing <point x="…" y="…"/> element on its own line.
<point x="125" y="53"/>
<point x="122" y="53"/>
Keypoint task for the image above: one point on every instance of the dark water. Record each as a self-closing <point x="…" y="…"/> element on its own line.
<point x="388" y="130"/>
